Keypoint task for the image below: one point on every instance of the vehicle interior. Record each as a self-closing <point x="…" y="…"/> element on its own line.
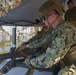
<point x="23" y="17"/>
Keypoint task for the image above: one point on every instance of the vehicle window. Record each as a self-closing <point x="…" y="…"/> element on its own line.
<point x="23" y="35"/>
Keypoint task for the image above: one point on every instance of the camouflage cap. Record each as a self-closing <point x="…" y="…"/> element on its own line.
<point x="50" y="5"/>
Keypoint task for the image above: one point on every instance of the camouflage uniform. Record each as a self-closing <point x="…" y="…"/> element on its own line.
<point x="70" y="15"/>
<point x="39" y="43"/>
<point x="59" y="42"/>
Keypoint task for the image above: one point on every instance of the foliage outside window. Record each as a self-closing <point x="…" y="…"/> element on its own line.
<point x="23" y="34"/>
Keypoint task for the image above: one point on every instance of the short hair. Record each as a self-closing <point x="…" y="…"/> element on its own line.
<point x="70" y="1"/>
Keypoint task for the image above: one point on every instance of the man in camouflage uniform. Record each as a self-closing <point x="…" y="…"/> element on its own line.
<point x="60" y="38"/>
<point x="70" y="14"/>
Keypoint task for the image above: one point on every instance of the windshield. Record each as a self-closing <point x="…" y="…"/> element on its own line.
<point x="23" y="34"/>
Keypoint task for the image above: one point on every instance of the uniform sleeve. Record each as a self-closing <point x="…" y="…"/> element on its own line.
<point x="36" y="36"/>
<point x="59" y="47"/>
<point x="41" y="42"/>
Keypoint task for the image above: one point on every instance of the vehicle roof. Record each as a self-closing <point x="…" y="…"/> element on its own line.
<point x="25" y="14"/>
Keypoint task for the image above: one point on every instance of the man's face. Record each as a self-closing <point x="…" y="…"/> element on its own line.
<point x="48" y="20"/>
<point x="70" y="6"/>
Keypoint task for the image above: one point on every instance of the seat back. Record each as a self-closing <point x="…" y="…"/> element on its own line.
<point x="71" y="55"/>
<point x="69" y="58"/>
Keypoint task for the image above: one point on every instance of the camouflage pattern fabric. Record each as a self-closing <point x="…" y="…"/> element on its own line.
<point x="37" y="36"/>
<point x="41" y="42"/>
<point x="70" y="15"/>
<point x="68" y="70"/>
<point x="59" y="40"/>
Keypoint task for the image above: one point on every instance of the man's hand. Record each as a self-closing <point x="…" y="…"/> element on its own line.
<point x="28" y="63"/>
<point x="23" y="47"/>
